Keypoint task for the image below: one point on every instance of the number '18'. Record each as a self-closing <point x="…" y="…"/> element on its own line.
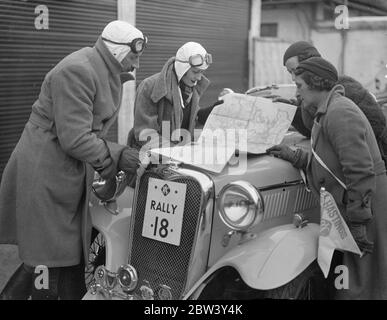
<point x="163" y="231"/>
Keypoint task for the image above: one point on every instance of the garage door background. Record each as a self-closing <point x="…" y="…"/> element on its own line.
<point x="221" y="26"/>
<point x="27" y="54"/>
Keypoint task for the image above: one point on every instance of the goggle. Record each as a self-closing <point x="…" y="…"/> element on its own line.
<point x="198" y="60"/>
<point x="136" y="46"/>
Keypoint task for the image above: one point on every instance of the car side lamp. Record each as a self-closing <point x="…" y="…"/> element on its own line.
<point x="300" y="220"/>
<point x="107" y="191"/>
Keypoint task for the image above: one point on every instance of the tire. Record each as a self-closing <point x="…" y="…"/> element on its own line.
<point x="308" y="285"/>
<point x="226" y="284"/>
<point x="97" y="256"/>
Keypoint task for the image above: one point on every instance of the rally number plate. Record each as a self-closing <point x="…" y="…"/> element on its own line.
<point x="164" y="211"/>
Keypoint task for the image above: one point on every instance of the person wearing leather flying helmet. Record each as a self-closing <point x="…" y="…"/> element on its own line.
<point x="171" y="96"/>
<point x="44" y="192"/>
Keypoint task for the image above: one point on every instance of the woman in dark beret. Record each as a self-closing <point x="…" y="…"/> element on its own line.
<point x="302" y="121"/>
<point x="343" y="139"/>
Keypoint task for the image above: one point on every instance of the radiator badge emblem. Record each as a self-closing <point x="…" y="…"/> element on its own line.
<point x="165" y="190"/>
<point x="164" y="292"/>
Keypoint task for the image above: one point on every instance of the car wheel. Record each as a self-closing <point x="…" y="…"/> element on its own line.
<point x="97" y="255"/>
<point x="308" y="285"/>
<point x="226" y="284"/>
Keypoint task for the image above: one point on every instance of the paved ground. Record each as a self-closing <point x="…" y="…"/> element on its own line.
<point x="9" y="261"/>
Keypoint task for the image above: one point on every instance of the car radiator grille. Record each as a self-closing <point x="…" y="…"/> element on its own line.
<point x="161" y="263"/>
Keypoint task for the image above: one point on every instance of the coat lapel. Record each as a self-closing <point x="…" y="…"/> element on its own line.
<point x="316" y="129"/>
<point x="318" y="124"/>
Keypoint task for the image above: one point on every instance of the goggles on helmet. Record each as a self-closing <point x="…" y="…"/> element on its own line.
<point x="198" y="60"/>
<point x="136" y="46"/>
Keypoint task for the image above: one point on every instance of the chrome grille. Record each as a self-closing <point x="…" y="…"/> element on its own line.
<point x="275" y="204"/>
<point x="305" y="200"/>
<point x="287" y="200"/>
<point x="157" y="262"/>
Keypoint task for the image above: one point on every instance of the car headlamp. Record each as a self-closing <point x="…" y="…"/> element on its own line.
<point x="127" y="277"/>
<point x="240" y="205"/>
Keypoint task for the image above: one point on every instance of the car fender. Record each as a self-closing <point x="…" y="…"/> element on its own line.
<point x="115" y="229"/>
<point x="271" y="259"/>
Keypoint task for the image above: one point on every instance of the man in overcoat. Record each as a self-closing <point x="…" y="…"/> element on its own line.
<point x="46" y="184"/>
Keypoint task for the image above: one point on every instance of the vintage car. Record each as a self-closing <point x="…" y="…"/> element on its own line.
<point x="240" y="236"/>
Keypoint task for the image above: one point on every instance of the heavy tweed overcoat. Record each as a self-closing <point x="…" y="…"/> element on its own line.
<point x="343" y="138"/>
<point x="157" y="100"/>
<point x="45" y="186"/>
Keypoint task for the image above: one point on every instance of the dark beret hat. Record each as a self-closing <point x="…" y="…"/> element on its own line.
<point x="300" y="48"/>
<point x="320" y="67"/>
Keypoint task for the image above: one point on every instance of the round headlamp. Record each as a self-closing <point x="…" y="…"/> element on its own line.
<point x="127" y="277"/>
<point x="240" y="205"/>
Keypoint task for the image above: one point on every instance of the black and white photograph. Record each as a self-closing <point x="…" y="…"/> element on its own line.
<point x="215" y="152"/>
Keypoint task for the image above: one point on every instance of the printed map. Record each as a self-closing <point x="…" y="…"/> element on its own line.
<point x="265" y="122"/>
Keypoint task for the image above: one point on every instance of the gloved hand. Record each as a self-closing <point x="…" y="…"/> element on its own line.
<point x="145" y="162"/>
<point x="284" y="152"/>
<point x="359" y="233"/>
<point x="109" y="169"/>
<point x="129" y="161"/>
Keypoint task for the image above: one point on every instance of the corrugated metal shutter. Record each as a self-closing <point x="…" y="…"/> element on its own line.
<point x="27" y="54"/>
<point x="221" y="26"/>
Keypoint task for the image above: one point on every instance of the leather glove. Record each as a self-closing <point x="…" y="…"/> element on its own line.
<point x="359" y="233"/>
<point x="129" y="160"/>
<point x="140" y="171"/>
<point x="283" y="152"/>
<point x="129" y="163"/>
<point x="108" y="170"/>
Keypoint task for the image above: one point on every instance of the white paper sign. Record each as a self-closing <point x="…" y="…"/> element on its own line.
<point x="164" y="211"/>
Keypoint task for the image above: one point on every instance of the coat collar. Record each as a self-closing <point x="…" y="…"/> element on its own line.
<point x="167" y="77"/>
<point x="323" y="106"/>
<point x="321" y="110"/>
<point x="112" y="63"/>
